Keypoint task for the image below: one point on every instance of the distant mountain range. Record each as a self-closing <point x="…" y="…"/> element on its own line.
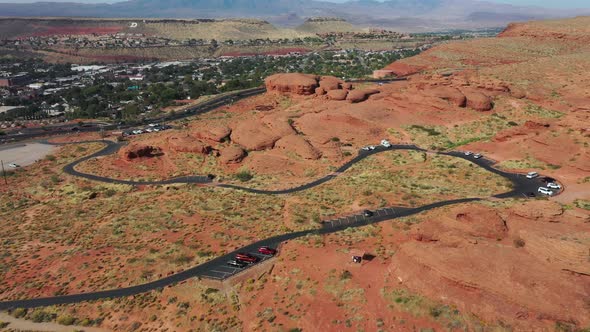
<point x="404" y="15"/>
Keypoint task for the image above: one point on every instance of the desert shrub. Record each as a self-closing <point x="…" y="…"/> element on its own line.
<point x="244" y="176"/>
<point x="512" y="123"/>
<point x="50" y="157"/>
<point x="335" y="139"/>
<point x="347" y="153"/>
<point x="19" y="312"/>
<point x="345" y="275"/>
<point x="40" y="316"/>
<point x="55" y="179"/>
<point x="519" y="243"/>
<point x="66" y="320"/>
<point x="4" y="324"/>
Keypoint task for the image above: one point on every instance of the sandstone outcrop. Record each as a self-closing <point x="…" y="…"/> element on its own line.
<point x="299" y="145"/>
<point x="337" y="94"/>
<point x="188" y="144"/>
<point x="216" y="134"/>
<point x="356" y="96"/>
<point x="138" y="150"/>
<point x="477" y="100"/>
<point x="254" y="135"/>
<point x="301" y="84"/>
<point x="452" y="95"/>
<point x="330" y="83"/>
<point x="231" y="154"/>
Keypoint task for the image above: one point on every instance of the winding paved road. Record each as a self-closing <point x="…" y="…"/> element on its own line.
<point x="217" y="269"/>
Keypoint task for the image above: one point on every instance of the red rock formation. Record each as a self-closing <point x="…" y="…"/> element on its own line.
<point x="255" y="135"/>
<point x="477" y="100"/>
<point x="449" y="94"/>
<point x="330" y="83"/>
<point x="337" y="94"/>
<point x="301" y="84"/>
<point x="357" y="96"/>
<point x="232" y="155"/>
<point x="402" y="69"/>
<point x="188" y="144"/>
<point x="300" y="145"/>
<point x="216" y="134"/>
<point x="138" y="150"/>
<point x="320" y="91"/>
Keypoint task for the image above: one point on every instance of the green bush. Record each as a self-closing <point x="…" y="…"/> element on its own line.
<point x="66" y="320"/>
<point x="345" y="275"/>
<point x="244" y="176"/>
<point x="50" y="157"/>
<point x="19" y="312"/>
<point x="41" y="316"/>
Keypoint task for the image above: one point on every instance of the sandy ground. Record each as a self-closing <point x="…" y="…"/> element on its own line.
<point x="25" y="325"/>
<point x="24" y="154"/>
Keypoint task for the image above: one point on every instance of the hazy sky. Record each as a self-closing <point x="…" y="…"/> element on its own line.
<point x="541" y="3"/>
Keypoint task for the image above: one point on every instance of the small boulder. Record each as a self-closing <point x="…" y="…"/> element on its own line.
<point x="337" y="94"/>
<point x="320" y="91"/>
<point x="137" y="150"/>
<point x="346" y="86"/>
<point x="330" y="83"/>
<point x="356" y="96"/>
<point x="449" y="94"/>
<point x="232" y="155"/>
<point x="477" y="100"/>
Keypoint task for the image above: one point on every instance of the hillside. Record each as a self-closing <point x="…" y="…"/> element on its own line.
<point x="416" y="15"/>
<point x="236" y="29"/>
<point x="326" y="25"/>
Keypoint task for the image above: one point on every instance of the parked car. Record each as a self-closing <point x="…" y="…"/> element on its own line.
<point x="267" y="251"/>
<point x="245" y="257"/>
<point x="545" y="191"/>
<point x="371" y="147"/>
<point x="532" y="175"/>
<point x="13" y="165"/>
<point x="385" y="143"/>
<point x="477" y="156"/>
<point x="238" y="264"/>
<point x="548" y="179"/>
<point x="468" y="153"/>
<point x="366" y="148"/>
<point x="368" y="213"/>
<point x="530" y="194"/>
<point x="553" y="185"/>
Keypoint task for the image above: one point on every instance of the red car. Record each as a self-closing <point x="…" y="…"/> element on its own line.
<point x="267" y="251"/>
<point x="244" y="257"/>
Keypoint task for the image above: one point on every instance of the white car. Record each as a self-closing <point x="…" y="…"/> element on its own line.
<point x="553" y="185"/>
<point x="13" y="165"/>
<point x="532" y="175"/>
<point x="371" y="147"/>
<point x="468" y="153"/>
<point x="477" y="156"/>
<point x="149" y="130"/>
<point x="545" y="191"/>
<point x="385" y="143"/>
<point x="366" y="148"/>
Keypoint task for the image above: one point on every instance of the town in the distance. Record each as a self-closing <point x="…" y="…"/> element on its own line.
<point x="294" y="166"/>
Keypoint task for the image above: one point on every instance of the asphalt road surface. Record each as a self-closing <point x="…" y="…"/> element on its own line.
<point x="218" y="269"/>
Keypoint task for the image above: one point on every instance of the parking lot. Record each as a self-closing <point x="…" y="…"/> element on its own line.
<point x="222" y="270"/>
<point x="24" y="154"/>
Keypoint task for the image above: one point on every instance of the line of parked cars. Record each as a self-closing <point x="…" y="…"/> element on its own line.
<point x="243" y="259"/>
<point x="475" y="155"/>
<point x="384" y="143"/>
<point x="550" y="187"/>
<point x="151" y="128"/>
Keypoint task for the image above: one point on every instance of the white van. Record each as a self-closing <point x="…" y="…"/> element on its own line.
<point x="532" y="175"/>
<point x="385" y="143"/>
<point x="545" y="191"/>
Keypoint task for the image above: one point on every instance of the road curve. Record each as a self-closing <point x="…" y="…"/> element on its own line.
<point x="521" y="185"/>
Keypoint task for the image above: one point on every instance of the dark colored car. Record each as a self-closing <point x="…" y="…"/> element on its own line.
<point x="548" y="179"/>
<point x="530" y="194"/>
<point x="368" y="213"/>
<point x="237" y="264"/>
<point x="244" y="257"/>
<point x="267" y="251"/>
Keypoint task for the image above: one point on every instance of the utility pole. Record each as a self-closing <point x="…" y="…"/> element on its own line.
<point x="4" y="172"/>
